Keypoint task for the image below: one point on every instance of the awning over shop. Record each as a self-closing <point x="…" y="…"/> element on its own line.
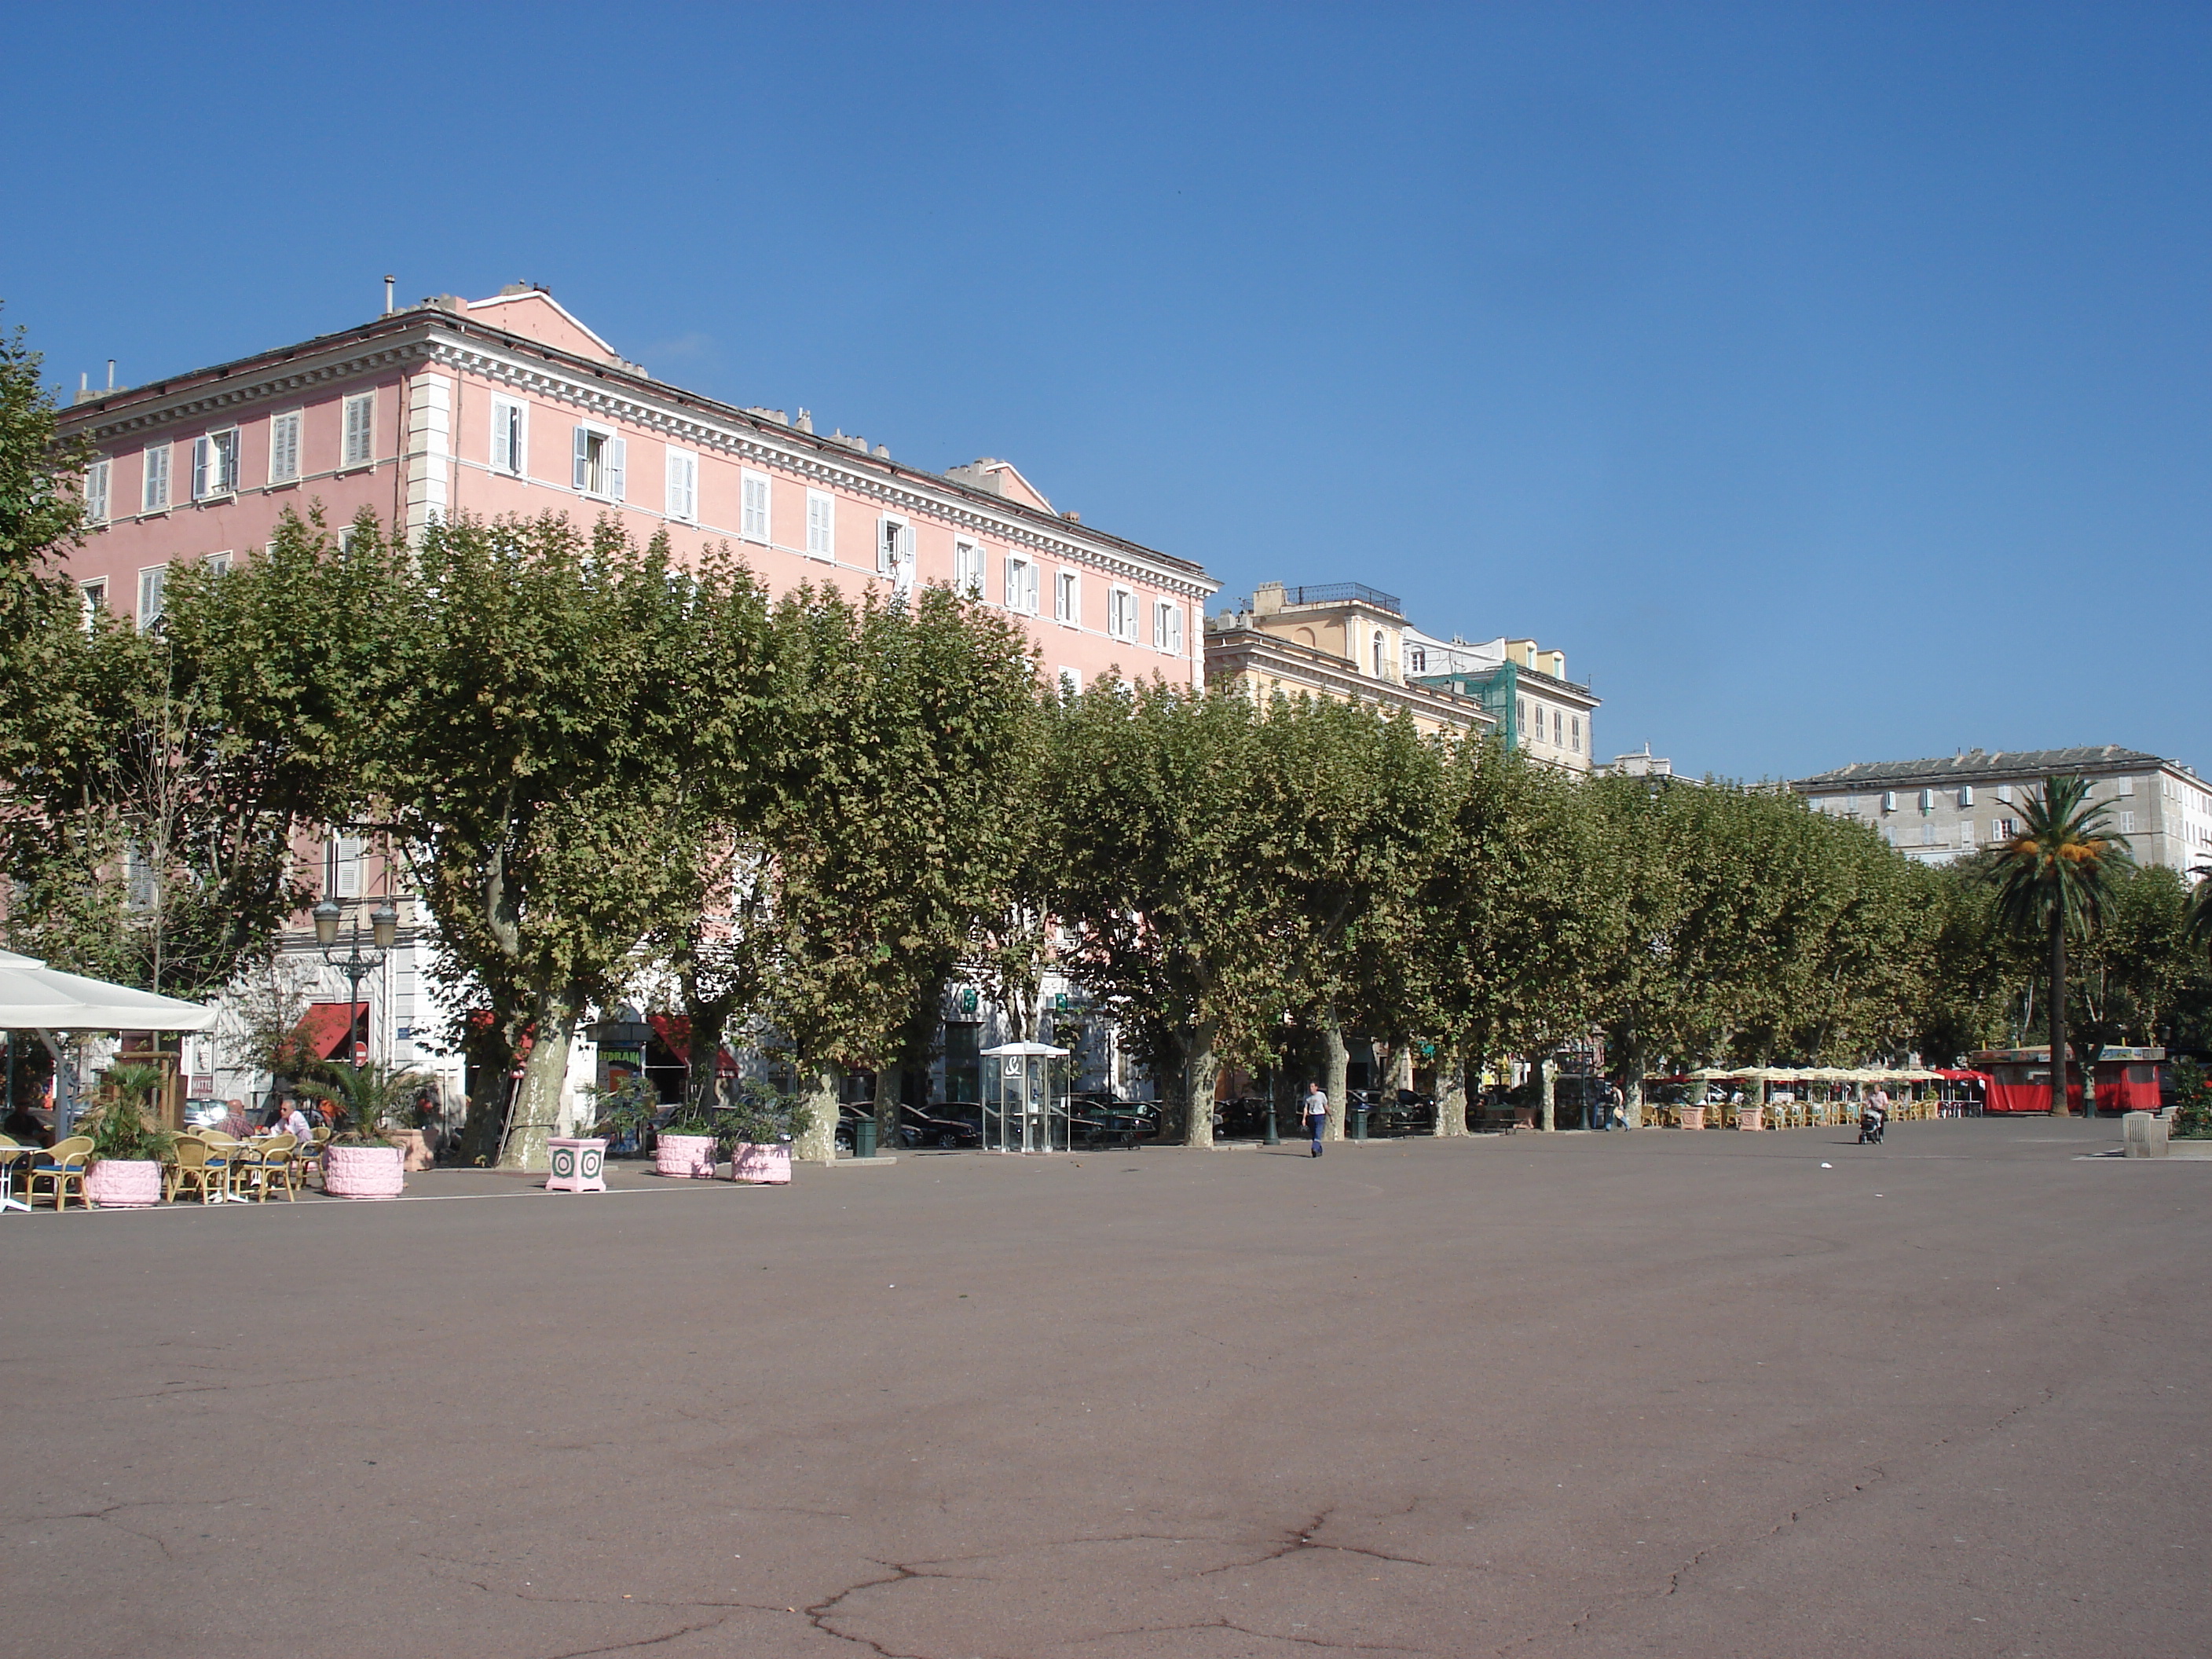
<point x="674" y="1031"/>
<point x="327" y="1028"/>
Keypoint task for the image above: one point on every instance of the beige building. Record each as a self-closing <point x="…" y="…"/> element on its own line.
<point x="1939" y="809"/>
<point x="1344" y="640"/>
<point x="1526" y="688"/>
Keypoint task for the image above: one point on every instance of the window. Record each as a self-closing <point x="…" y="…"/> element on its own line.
<point x="1965" y="832"/>
<point x="360" y="445"/>
<point x="1927" y="800"/>
<point x="1378" y="656"/>
<point x="341" y="867"/>
<point x="1927" y="835"/>
<point x="284" y="447"/>
<point x="2127" y="823"/>
<point x="150" y="584"/>
<point x="1021" y="584"/>
<point x="1417" y="659"/>
<point x="1167" y="628"/>
<point x="2004" y="795"/>
<point x="2003" y="829"/>
<point x="1122" y="614"/>
<point x="682" y="498"/>
<point x="1558" y="731"/>
<point x="510" y="437"/>
<point x="96" y="492"/>
<point x="1575" y="734"/>
<point x="894" y="547"/>
<point x="1965" y="795"/>
<point x="155" y="495"/>
<point x="218" y="564"/>
<point x="1067" y="596"/>
<point x="2123" y="786"/>
<point x="1071" y="682"/>
<point x="1889" y="800"/>
<point x="753" y="526"/>
<point x="95" y="601"/>
<point x="821" y="524"/>
<point x="601" y="458"/>
<point x="968" y="569"/>
<point x="214" y="464"/>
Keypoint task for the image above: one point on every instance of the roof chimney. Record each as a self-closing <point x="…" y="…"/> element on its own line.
<point x="389" y="280"/>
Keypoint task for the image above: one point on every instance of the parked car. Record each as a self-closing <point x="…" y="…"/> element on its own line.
<point x="1104" y="1120"/>
<point x="1242" y="1117"/>
<point x="204" y="1111"/>
<point x="1401" y="1112"/>
<point x="943" y="1125"/>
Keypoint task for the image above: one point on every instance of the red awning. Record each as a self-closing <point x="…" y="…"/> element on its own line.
<point x="328" y="1027"/>
<point x="674" y="1031"/>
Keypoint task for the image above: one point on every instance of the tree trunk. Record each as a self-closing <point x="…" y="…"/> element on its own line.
<point x="819" y="1088"/>
<point x="702" y="1081"/>
<point x="1548" y="1071"/>
<point x="890" y="1090"/>
<point x="1201" y="1069"/>
<point x="538" y="1099"/>
<point x="1339" y="1060"/>
<point x="1451" y="1092"/>
<point x="1282" y="1096"/>
<point x="2058" y="1018"/>
<point x="1632" y="1086"/>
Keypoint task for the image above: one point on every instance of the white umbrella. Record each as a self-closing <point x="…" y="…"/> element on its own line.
<point x="36" y="998"/>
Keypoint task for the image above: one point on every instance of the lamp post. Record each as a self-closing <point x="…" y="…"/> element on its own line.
<point x="357" y="965"/>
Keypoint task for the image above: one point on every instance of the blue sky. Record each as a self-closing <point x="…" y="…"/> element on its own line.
<point x="1829" y="382"/>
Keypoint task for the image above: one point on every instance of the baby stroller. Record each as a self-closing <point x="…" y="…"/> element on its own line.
<point x="1872" y="1121"/>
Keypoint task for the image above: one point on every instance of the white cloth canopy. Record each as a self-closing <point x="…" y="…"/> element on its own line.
<point x="1025" y="1051"/>
<point x="36" y="998"/>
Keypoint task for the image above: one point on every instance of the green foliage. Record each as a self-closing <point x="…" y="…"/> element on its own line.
<point x="628" y="1109"/>
<point x="371" y="1100"/>
<point x="764" y="1115"/>
<point x="121" y="1128"/>
<point x="2192" y="1102"/>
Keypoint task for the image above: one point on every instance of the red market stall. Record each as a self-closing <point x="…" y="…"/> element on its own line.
<point x="2019" y="1079"/>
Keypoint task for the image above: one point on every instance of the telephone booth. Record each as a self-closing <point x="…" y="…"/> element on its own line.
<point x="1025" y="1104"/>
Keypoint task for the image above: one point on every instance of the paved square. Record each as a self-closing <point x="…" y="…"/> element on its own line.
<point x="1649" y="1393"/>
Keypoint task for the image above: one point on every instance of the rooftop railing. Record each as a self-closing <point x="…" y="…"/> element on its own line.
<point x="1338" y="592"/>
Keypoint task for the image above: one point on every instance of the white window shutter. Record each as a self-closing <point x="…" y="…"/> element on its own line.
<point x="1175" y="629"/>
<point x="199" y="468"/>
<point x="583" y="477"/>
<point x="617" y="452"/>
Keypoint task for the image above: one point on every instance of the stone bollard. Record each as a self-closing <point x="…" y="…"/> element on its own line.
<point x="2143" y="1135"/>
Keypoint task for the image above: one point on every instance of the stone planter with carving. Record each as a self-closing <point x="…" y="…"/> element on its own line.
<point x="1694" y="1117"/>
<point x="364" y="1171"/>
<point x="123" y="1183"/>
<point x="760" y="1165"/>
<point x="1750" y="1117"/>
<point x="688" y="1157"/>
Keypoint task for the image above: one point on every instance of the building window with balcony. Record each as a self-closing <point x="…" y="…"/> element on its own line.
<point x="682" y="503"/>
<point x="284" y="448"/>
<point x="1066" y="597"/>
<point x="359" y="443"/>
<point x="754" y="526"/>
<point x="96" y="492"/>
<point x="821" y="524"/>
<point x="894" y="547"/>
<point x="510" y="437"/>
<point x="154" y="495"/>
<point x="215" y="463"/>
<point x="600" y="458"/>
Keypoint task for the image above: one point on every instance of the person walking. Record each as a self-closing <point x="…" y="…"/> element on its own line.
<point x="1316" y="1112"/>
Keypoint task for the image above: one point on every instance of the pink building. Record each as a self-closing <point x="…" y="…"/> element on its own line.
<point x="510" y="405"/>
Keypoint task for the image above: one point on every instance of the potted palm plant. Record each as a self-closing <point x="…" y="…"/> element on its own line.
<point x="761" y="1129"/>
<point x="360" y="1161"/>
<point x="685" y="1145"/>
<point x="123" y="1171"/>
<point x="625" y="1113"/>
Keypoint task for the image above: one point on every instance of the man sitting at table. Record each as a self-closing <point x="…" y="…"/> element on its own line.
<point x="235" y="1122"/>
<point x="291" y="1120"/>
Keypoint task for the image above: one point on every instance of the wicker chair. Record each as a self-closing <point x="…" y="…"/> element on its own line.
<point x="190" y="1167"/>
<point x="62" y="1169"/>
<point x="224" y="1152"/>
<point x="268" y="1164"/>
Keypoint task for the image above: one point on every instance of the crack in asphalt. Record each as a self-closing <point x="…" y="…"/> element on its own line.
<point x="1302" y="1538"/>
<point x="648" y="1641"/>
<point x="819" y="1613"/>
<point x="1245" y="1629"/>
<point x="107" y="1516"/>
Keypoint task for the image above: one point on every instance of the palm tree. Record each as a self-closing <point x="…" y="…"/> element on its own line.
<point x="2054" y="878"/>
<point x="369" y="1098"/>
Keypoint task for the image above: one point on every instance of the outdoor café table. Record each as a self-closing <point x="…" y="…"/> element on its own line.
<point x="228" y="1150"/>
<point x="9" y="1157"/>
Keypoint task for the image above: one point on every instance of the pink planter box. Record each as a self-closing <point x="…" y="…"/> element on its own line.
<point x="761" y="1166"/>
<point x="1750" y="1117"/>
<point x="364" y="1171"/>
<point x="577" y="1164"/>
<point x="691" y="1157"/>
<point x="1694" y="1117"/>
<point x="124" y="1184"/>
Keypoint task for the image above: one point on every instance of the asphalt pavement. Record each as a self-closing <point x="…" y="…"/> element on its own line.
<point x="1654" y="1393"/>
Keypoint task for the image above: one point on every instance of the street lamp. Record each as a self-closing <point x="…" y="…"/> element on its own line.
<point x="357" y="965"/>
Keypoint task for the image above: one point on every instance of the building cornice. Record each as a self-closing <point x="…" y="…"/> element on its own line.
<point x="1249" y="650"/>
<point x="434" y="334"/>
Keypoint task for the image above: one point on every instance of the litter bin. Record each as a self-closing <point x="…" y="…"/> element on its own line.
<point x="864" y="1138"/>
<point x="1358" y="1120"/>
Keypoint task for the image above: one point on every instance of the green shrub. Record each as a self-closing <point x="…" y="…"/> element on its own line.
<point x="2192" y="1102"/>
